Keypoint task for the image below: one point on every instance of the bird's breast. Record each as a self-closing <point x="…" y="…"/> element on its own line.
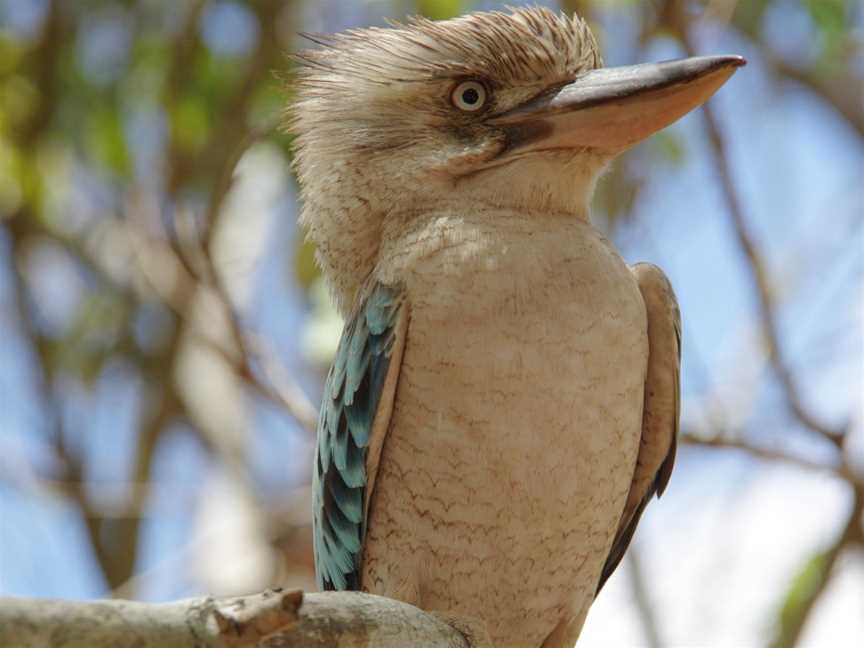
<point x="516" y="422"/>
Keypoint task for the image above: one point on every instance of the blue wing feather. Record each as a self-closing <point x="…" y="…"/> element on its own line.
<point x="351" y="397"/>
<point x="358" y="425"/>
<point x="349" y="500"/>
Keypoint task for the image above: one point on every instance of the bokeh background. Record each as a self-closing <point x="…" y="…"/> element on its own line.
<point x="164" y="333"/>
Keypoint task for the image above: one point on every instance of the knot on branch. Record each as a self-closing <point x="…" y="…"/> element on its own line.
<point x="243" y="621"/>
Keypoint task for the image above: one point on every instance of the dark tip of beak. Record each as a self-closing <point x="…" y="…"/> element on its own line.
<point x="724" y="59"/>
<point x="703" y="64"/>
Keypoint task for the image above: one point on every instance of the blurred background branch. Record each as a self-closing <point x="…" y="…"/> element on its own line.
<point x="166" y="332"/>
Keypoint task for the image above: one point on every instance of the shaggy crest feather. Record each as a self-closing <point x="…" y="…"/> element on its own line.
<point x="517" y="49"/>
<point x="523" y="46"/>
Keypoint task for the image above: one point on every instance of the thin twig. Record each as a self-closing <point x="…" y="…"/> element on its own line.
<point x="768" y="454"/>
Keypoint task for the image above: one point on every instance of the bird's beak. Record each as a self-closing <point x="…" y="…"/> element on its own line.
<point x="614" y="108"/>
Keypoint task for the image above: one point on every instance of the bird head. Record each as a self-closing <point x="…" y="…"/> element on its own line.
<point x="511" y="110"/>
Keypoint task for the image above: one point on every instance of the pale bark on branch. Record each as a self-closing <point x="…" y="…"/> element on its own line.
<point x="272" y="619"/>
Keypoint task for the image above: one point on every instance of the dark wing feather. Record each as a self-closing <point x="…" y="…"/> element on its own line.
<point x="661" y="409"/>
<point x="356" y="405"/>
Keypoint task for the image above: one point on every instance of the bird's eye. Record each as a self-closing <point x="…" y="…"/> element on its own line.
<point x="469" y="96"/>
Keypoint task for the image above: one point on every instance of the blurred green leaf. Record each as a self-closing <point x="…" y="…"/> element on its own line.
<point x="750" y="14"/>
<point x="150" y="50"/>
<point x="268" y="101"/>
<point x="439" y="9"/>
<point x="306" y="270"/>
<point x="10" y="189"/>
<point x="106" y="140"/>
<point x="831" y="18"/>
<point x="19" y="98"/>
<point x="30" y="181"/>
<point x="323" y="327"/>
<point x="669" y="146"/>
<point x="616" y="192"/>
<point x="190" y="123"/>
<point x="10" y="53"/>
<point x="803" y="589"/>
<point x="214" y="78"/>
<point x="92" y="338"/>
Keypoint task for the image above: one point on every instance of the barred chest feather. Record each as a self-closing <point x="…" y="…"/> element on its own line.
<point x="516" y="421"/>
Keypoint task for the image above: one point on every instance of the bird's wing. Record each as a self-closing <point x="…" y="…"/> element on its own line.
<point x="355" y="414"/>
<point x="661" y="409"/>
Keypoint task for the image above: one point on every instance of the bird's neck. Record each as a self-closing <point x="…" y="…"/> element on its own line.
<point x="354" y="224"/>
<point x="556" y="184"/>
<point x="451" y="247"/>
<point x="345" y="226"/>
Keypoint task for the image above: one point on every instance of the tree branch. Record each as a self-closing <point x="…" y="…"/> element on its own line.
<point x="723" y="442"/>
<point x="272" y="619"/>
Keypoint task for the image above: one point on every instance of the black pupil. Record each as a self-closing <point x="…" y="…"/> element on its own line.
<point x="471" y="96"/>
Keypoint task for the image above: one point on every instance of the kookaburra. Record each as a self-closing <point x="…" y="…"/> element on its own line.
<point x="504" y="399"/>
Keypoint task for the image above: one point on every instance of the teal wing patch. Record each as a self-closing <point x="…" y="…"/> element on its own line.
<point x="349" y="405"/>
